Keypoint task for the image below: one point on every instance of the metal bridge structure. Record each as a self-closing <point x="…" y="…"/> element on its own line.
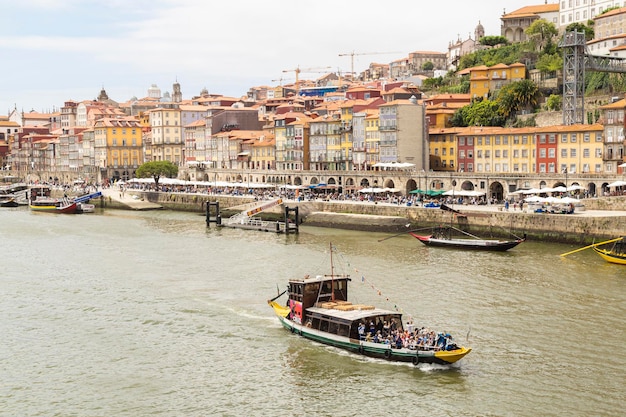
<point x="577" y="59"/>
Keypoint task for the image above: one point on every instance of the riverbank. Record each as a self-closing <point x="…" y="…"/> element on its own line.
<point x="583" y="227"/>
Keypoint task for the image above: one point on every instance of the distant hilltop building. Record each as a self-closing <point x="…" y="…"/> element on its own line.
<point x="154" y="92"/>
<point x="515" y="23"/>
<point x="573" y="11"/>
<point x="609" y="34"/>
<point x="461" y="47"/>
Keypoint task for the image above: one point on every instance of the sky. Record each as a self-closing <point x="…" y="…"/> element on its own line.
<point x="59" y="50"/>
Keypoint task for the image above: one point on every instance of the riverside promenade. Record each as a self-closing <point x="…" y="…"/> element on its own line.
<point x="116" y="198"/>
<point x="582" y="227"/>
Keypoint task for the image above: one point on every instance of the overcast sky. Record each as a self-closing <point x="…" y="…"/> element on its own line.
<point x="58" y="50"/>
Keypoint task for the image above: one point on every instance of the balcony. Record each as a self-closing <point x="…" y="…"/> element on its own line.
<point x="387" y="128"/>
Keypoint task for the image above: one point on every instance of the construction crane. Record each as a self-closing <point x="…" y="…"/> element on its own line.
<point x="281" y="79"/>
<point x="352" y="54"/>
<point x="298" y="70"/>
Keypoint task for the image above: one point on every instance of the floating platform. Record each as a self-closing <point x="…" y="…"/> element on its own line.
<point x="246" y="219"/>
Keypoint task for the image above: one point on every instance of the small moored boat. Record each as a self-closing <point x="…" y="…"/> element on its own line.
<point x="443" y="237"/>
<point x="318" y="309"/>
<point x="41" y="200"/>
<point x="616" y="254"/>
<point x="8" y="201"/>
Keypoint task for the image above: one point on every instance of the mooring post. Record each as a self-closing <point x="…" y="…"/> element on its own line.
<point x="217" y="219"/>
<point x="292" y="226"/>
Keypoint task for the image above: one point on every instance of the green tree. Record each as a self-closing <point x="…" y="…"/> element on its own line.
<point x="428" y="66"/>
<point x="516" y="96"/>
<point x="493" y="40"/>
<point x="549" y="63"/>
<point x="432" y="83"/>
<point x="478" y="113"/>
<point x="156" y="170"/>
<point x="581" y="27"/>
<point x="542" y="33"/>
<point x="554" y="102"/>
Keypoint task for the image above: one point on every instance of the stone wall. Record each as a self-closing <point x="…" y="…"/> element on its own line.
<point x="545" y="227"/>
<point x="388" y="218"/>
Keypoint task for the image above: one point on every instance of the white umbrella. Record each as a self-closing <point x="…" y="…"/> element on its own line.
<point x="568" y="200"/>
<point x="559" y="189"/>
<point x="622" y="165"/>
<point x="534" y="191"/>
<point x="464" y="193"/>
<point x="617" y="184"/>
<point x="551" y="200"/>
<point x="534" y="199"/>
<point x="575" y="188"/>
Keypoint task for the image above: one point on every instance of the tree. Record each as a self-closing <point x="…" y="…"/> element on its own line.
<point x="478" y="113"/>
<point x="493" y="40"/>
<point x="156" y="170"/>
<point x="548" y="63"/>
<point x="581" y="27"/>
<point x="541" y="33"/>
<point x="554" y="102"/>
<point x="428" y="66"/>
<point x="516" y="96"/>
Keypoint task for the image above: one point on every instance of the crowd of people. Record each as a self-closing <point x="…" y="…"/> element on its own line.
<point x="390" y="333"/>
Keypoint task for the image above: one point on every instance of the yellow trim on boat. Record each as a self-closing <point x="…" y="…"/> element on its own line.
<point x="280" y="310"/>
<point x="606" y="255"/>
<point x="452" y="356"/>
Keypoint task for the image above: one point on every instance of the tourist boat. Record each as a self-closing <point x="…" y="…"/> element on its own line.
<point x="40" y="200"/>
<point x="616" y="254"/>
<point x="318" y="309"/>
<point x="443" y="237"/>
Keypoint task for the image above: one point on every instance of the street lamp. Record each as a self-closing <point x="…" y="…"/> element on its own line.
<point x="565" y="172"/>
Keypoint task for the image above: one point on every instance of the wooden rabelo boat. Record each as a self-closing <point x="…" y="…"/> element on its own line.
<point x="616" y="254"/>
<point x="40" y="200"/>
<point x="445" y="237"/>
<point x="318" y="309"/>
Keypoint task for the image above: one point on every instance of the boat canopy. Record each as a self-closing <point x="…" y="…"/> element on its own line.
<point x="353" y="315"/>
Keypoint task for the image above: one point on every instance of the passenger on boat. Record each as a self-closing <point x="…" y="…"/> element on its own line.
<point x="361" y="331"/>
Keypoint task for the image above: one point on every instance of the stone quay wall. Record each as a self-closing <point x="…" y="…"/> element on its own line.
<point x="567" y="228"/>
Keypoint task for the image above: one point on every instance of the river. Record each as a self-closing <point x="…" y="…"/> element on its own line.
<point x="123" y="313"/>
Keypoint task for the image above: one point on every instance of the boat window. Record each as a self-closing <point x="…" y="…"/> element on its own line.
<point x="333" y="327"/>
<point x="324" y="325"/>
<point x="344" y="330"/>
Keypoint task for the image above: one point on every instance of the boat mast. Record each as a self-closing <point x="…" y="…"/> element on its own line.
<point x="332" y="275"/>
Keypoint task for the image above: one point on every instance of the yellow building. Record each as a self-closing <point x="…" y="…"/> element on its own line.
<point x="485" y="82"/>
<point x="442" y="145"/>
<point x="347" y="110"/>
<point x="579" y="147"/>
<point x="118" y="146"/>
<point x="262" y="152"/>
<point x="372" y="138"/>
<point x="572" y="149"/>
<point x="167" y="142"/>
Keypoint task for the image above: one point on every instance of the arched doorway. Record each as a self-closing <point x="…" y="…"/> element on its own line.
<point x="496" y="191"/>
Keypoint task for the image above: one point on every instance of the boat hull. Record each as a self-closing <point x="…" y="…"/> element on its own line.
<point x="376" y="350"/>
<point x="469" y="244"/>
<point x="611" y="257"/>
<point x="52" y="208"/>
<point x="9" y="203"/>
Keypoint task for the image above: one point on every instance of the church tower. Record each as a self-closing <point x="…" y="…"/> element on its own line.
<point x="177" y="95"/>
<point x="479" y="32"/>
